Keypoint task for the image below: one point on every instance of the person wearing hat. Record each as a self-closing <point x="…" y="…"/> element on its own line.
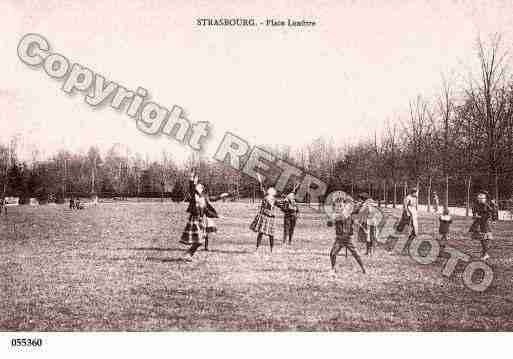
<point x="263" y="224"/>
<point x="290" y="211"/>
<point x="480" y="228"/>
<point x="343" y="222"/>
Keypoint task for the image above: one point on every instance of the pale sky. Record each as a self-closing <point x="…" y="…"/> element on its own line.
<point x="360" y="64"/>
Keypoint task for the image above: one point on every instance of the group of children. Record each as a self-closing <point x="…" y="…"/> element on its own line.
<point x="483" y="213"/>
<point x="201" y="224"/>
<point x="201" y="216"/>
<point x="75" y="203"/>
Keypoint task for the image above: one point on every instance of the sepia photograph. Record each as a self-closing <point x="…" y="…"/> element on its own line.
<point x="245" y="167"/>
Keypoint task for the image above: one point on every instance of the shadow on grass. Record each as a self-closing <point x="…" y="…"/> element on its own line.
<point x="160" y="249"/>
<point x="166" y="260"/>
<point x="222" y="251"/>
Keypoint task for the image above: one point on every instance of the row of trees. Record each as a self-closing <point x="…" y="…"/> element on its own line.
<point x="456" y="143"/>
<point x="116" y="174"/>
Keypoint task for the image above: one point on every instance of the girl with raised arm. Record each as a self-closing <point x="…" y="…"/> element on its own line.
<point x="263" y="224"/>
<point x="199" y="224"/>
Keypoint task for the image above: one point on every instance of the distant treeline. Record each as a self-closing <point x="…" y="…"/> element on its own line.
<point x="456" y="143"/>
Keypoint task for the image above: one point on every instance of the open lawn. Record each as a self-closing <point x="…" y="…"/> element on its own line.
<point x="118" y="266"/>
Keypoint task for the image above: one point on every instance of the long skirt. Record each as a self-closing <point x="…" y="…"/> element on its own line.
<point x="410" y="221"/>
<point x="194" y="230"/>
<point x="263" y="224"/>
<point x="403" y="222"/>
<point x="210" y="225"/>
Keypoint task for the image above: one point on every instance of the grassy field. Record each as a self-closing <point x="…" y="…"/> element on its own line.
<point x="118" y="266"/>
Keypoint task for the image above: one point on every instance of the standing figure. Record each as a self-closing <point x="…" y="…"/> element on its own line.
<point x="72" y="202"/>
<point x="263" y="224"/>
<point x="343" y="223"/>
<point x="495" y="210"/>
<point x="445" y="222"/>
<point x="290" y="213"/>
<point x="367" y="229"/>
<point x="480" y="228"/>
<point x="78" y="204"/>
<point x="436" y="201"/>
<point x="199" y="209"/>
<point x="410" y="212"/>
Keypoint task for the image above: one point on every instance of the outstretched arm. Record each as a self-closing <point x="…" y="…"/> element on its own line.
<point x="193" y="180"/>
<point x="262" y="189"/>
<point x="217" y="198"/>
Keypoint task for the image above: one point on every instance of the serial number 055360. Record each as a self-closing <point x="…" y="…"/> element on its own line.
<point x="26" y="342"/>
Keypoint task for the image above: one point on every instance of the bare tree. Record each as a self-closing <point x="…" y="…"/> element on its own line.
<point x="488" y="95"/>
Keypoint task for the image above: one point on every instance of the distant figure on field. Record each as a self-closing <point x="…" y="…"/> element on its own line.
<point x="290" y="213"/>
<point x="78" y="204"/>
<point x="436" y="201"/>
<point x="409" y="216"/>
<point x="495" y="210"/>
<point x="480" y="228"/>
<point x="445" y="222"/>
<point x="367" y="230"/>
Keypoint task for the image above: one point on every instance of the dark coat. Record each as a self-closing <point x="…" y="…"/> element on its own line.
<point x="288" y="209"/>
<point x="193" y="207"/>
<point x="482" y="213"/>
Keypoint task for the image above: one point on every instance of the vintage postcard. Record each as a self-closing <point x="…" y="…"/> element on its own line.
<point x="241" y="166"/>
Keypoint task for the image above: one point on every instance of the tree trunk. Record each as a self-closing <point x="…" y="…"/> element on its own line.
<point x="385" y="193"/>
<point x="467" y="209"/>
<point x="446" y="192"/>
<point x="496" y="186"/>
<point x="395" y="195"/>
<point x="418" y="196"/>
<point x="429" y="195"/>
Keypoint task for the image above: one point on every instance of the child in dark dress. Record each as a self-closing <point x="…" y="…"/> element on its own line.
<point x="480" y="228"/>
<point x="445" y="222"/>
<point x="290" y="211"/>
